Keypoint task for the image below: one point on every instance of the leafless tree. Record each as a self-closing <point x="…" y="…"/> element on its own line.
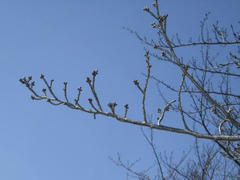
<point x="200" y="162"/>
<point x="207" y="98"/>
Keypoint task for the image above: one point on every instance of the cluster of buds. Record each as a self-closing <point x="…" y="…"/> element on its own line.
<point x="78" y="96"/>
<point x="136" y="82"/>
<point x="27" y="81"/>
<point x="94" y="73"/>
<point x="44" y="91"/>
<point x="163" y="18"/>
<point x="146" y="9"/>
<point x="88" y="80"/>
<point x="126" y="110"/>
<point x="42" y="76"/>
<point x="112" y="106"/>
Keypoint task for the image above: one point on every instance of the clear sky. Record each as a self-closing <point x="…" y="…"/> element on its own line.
<point x="66" y="40"/>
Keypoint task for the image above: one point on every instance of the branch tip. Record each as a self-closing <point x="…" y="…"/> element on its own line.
<point x="94" y="73"/>
<point x="88" y="80"/>
<point x="146" y="9"/>
<point x="136" y="82"/>
<point x="41" y="76"/>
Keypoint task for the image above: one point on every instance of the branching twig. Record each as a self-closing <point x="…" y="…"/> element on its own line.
<point x="180" y="100"/>
<point x="144" y="90"/>
<point x="127" y="120"/>
<point x="162" y="112"/>
<point x="91" y="84"/>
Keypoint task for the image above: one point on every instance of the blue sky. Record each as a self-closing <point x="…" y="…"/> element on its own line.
<point x="66" y="40"/>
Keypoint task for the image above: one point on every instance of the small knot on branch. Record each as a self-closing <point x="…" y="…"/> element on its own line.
<point x="156" y="46"/>
<point x="154" y="4"/>
<point x="214" y="109"/>
<point x="147" y="59"/>
<point x="147" y="54"/>
<point x="126" y="110"/>
<point x="163" y="54"/>
<point x="41" y="76"/>
<point x="154" y="25"/>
